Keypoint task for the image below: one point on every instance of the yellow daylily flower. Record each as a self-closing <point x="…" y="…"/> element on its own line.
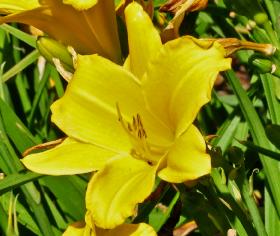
<point x="88" y="228"/>
<point x="134" y="122"/>
<point x="88" y="26"/>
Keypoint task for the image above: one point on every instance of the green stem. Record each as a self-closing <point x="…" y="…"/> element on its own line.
<point x="259" y="137"/>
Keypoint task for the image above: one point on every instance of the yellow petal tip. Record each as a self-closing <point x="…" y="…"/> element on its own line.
<point x="81" y="4"/>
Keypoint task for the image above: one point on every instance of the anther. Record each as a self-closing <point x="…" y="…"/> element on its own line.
<point x="134" y="123"/>
<point x="139" y="134"/>
<point x="144" y="133"/>
<point x="138" y="120"/>
<point x="150" y="163"/>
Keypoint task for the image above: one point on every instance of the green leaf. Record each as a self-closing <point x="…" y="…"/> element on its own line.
<point x="158" y="217"/>
<point x="266" y="152"/>
<point x="15" y="129"/>
<point x="259" y="137"/>
<point x="227" y="131"/>
<point x="70" y="197"/>
<point x="55" y="212"/>
<point x="14" y="180"/>
<point x="158" y="3"/>
<point x="26" y="61"/>
<point x="23" y="216"/>
<point x="27" y="38"/>
<point x="39" y="91"/>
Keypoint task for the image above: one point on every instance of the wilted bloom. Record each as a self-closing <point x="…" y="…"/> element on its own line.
<point x="232" y="45"/>
<point x="88" y="26"/>
<point x="134" y="122"/>
<point x="88" y="228"/>
<point x="179" y="8"/>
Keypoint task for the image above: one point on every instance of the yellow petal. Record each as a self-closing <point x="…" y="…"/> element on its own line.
<point x="114" y="192"/>
<point x="81" y="4"/>
<point x="78" y="229"/>
<point x="180" y="78"/>
<point x="127" y="230"/>
<point x="91" y="31"/>
<point x="88" y="110"/>
<point x="70" y="157"/>
<point x="141" y="229"/>
<point x="187" y="159"/>
<point x="9" y="6"/>
<point x="143" y="39"/>
<point x="101" y="20"/>
<point x="67" y="26"/>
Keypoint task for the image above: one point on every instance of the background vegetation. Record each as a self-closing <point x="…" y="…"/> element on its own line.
<point x="241" y="124"/>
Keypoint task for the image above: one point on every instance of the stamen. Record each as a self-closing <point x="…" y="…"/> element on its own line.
<point x="139" y="134"/>
<point x="134" y="123"/>
<point x="126" y="128"/>
<point x="138" y="119"/>
<point x="150" y="163"/>
<point x="135" y="130"/>
<point x="129" y="127"/>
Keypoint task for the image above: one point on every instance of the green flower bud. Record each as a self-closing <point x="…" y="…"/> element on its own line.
<point x="52" y="49"/>
<point x="260" y="18"/>
<point x="262" y="65"/>
<point x="250" y="8"/>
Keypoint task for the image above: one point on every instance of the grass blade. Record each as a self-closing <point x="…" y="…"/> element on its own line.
<point x="259" y="137"/>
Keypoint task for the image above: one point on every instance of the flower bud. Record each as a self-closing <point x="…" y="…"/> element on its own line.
<point x="264" y="65"/>
<point x="52" y="49"/>
<point x="260" y="18"/>
<point x="250" y="8"/>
